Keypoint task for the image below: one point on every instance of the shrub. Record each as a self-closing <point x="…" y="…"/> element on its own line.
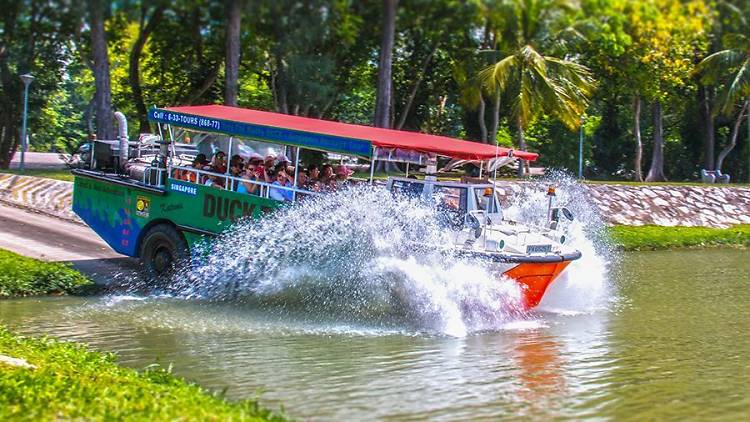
<point x="22" y="276"/>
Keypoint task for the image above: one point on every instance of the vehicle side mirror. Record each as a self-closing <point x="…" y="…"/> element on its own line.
<point x="473" y="222"/>
<point x="567" y="214"/>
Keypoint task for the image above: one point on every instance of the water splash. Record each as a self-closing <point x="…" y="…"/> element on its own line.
<point x="349" y="257"/>
<point x="584" y="286"/>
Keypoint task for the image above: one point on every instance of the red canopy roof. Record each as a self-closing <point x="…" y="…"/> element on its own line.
<point x="381" y="138"/>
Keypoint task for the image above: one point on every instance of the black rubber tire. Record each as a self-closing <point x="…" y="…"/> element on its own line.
<point x="162" y="248"/>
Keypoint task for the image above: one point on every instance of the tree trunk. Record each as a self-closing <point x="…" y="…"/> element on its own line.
<point x="88" y="116"/>
<point x="492" y="139"/>
<point x="656" y="171"/>
<point x="415" y="86"/>
<point x="709" y="137"/>
<point x="480" y="117"/>
<point x="103" y="96"/>
<point x="383" y="99"/>
<point x="232" y="65"/>
<point x="198" y="92"/>
<point x="733" y="139"/>
<point x="11" y="88"/>
<point x="521" y="146"/>
<point x="134" y="75"/>
<point x="638" y="142"/>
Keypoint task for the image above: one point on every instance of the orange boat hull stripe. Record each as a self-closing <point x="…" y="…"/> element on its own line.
<point x="534" y="279"/>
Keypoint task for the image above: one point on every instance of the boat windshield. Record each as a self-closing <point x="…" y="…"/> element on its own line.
<point x="452" y="199"/>
<point x="408" y="188"/>
<point x="484" y="200"/>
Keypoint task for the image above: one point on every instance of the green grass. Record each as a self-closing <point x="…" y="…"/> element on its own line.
<point x="657" y="237"/>
<point x="694" y="183"/>
<point x="22" y="276"/>
<point x="71" y="382"/>
<point x="62" y="174"/>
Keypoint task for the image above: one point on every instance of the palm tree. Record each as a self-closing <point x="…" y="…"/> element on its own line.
<point x="730" y="67"/>
<point x="533" y="82"/>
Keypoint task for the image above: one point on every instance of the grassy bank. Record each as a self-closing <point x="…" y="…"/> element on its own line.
<point x="70" y="382"/>
<point x="657" y="237"/>
<point x="22" y="276"/>
<point x="61" y="174"/>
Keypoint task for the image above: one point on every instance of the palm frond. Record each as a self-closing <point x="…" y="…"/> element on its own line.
<point x="717" y="63"/>
<point x="496" y="77"/>
<point x="739" y="88"/>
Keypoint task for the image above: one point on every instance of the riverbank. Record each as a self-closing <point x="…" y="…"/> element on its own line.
<point x="666" y="205"/>
<point x="633" y="238"/>
<point x="45" y="379"/>
<point x="23" y="276"/>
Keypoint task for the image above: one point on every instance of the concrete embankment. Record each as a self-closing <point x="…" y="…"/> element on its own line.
<point x="663" y="205"/>
<point x="49" y="196"/>
<point x="660" y="205"/>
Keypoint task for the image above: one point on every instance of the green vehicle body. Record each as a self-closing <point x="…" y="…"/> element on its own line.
<point x="121" y="212"/>
<point x="174" y="215"/>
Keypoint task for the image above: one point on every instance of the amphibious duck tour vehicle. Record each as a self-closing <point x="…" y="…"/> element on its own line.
<point x="156" y="198"/>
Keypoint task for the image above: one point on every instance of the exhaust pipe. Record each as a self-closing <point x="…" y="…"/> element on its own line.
<point x="122" y="125"/>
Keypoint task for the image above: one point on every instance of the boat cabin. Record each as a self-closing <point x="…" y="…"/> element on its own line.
<point x="451" y="196"/>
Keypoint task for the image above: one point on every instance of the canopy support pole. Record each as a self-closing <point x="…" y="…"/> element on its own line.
<point x="296" y="174"/>
<point x="481" y="167"/>
<point x="407" y="169"/>
<point x="168" y="163"/>
<point x="229" y="185"/>
<point x="372" y="163"/>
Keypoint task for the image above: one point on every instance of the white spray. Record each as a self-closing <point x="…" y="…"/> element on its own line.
<point x="351" y="256"/>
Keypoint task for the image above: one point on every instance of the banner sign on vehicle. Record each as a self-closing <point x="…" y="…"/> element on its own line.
<point x="312" y="140"/>
<point x="183" y="188"/>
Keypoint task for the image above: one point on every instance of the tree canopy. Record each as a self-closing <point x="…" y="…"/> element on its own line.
<point x="660" y="82"/>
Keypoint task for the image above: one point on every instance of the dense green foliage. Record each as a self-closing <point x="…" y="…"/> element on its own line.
<point x="71" y="382"/>
<point x="658" y="237"/>
<point x="22" y="276"/>
<point x="319" y="58"/>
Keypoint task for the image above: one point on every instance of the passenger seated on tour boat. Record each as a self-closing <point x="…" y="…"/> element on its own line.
<point x="301" y="179"/>
<point x="313" y="173"/>
<point x="236" y="165"/>
<point x="190" y="176"/>
<point x="283" y="160"/>
<point x="219" y="162"/>
<point x="282" y="179"/>
<point x="214" y="180"/>
<point x="254" y="171"/>
<point x="327" y="176"/>
<point x="268" y="162"/>
<point x="342" y="177"/>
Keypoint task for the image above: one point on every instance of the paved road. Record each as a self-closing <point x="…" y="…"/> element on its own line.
<point x="38" y="160"/>
<point x="51" y="239"/>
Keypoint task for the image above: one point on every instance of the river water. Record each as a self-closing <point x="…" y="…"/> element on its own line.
<point x="670" y="341"/>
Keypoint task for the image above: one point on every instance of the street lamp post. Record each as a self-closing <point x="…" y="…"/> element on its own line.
<point x="580" y="150"/>
<point x="26" y="78"/>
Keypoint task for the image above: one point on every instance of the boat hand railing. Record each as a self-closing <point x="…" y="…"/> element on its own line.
<point x="231" y="181"/>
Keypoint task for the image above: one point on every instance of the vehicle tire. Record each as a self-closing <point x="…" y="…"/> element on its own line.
<point x="162" y="248"/>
